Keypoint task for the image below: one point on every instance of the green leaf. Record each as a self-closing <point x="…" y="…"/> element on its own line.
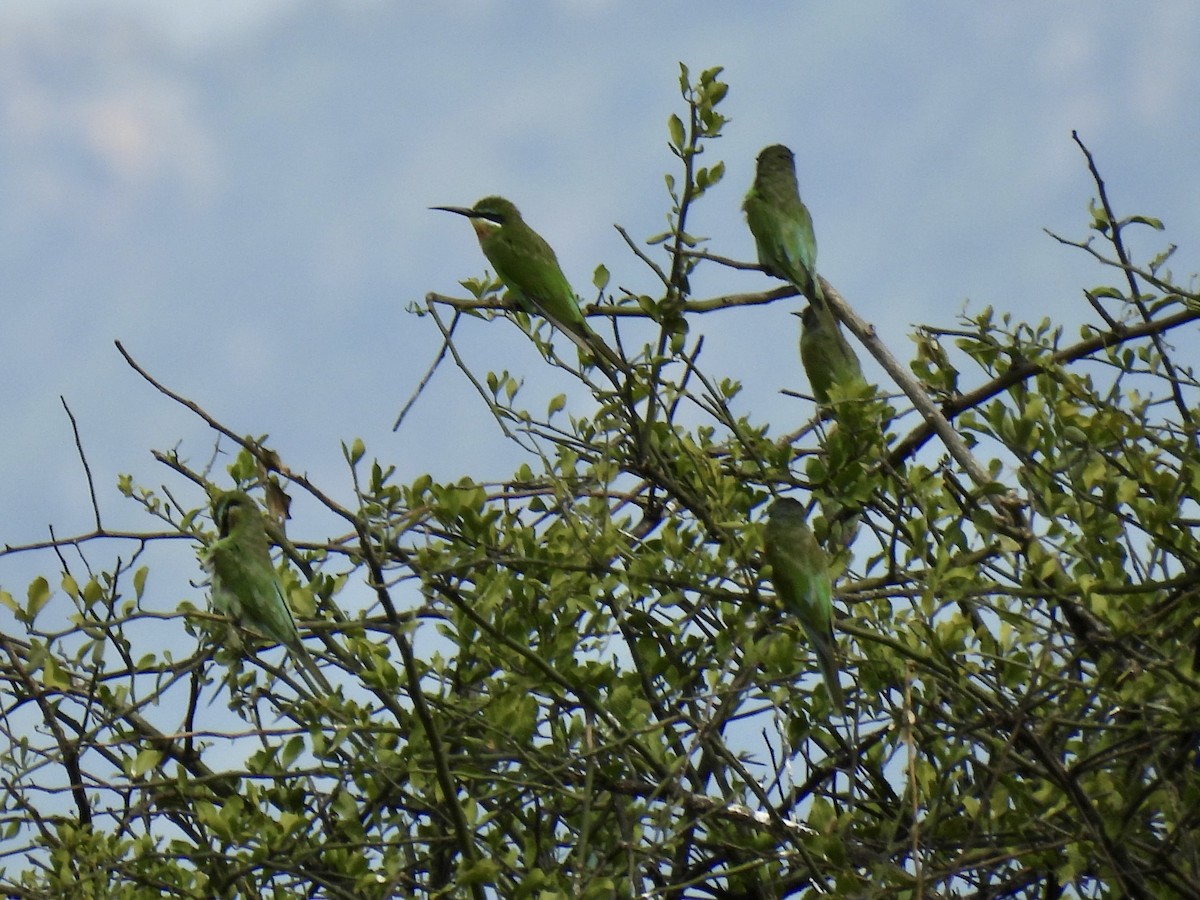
<point x="420" y="486"/>
<point x="139" y="581"/>
<point x="146" y="760"/>
<point x="54" y="676"/>
<point x="37" y="597"/>
<point x="1156" y="224"/>
<point x="291" y="823"/>
<point x="480" y="871"/>
<point x="291" y="750"/>
<point x="93" y="592"/>
<point x="675" y="127"/>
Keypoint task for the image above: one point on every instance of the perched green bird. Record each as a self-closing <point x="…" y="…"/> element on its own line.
<point x="245" y="585"/>
<point x="530" y="270"/>
<point x="827" y="356"/>
<point x="800" y="573"/>
<point x="781" y="224"/>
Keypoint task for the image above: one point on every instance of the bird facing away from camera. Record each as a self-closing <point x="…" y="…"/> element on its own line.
<point x="530" y="270"/>
<point x="781" y="224"/>
<point x="827" y="356"/>
<point x="800" y="573"/>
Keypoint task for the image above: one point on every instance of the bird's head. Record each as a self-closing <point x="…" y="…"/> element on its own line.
<point x="810" y="319"/>
<point x="776" y="158"/>
<point x="487" y="216"/>
<point x="495" y="210"/>
<point x="787" y="509"/>
<point x="230" y="509"/>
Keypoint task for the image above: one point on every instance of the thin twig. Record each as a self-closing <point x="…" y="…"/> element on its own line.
<point x="70" y="751"/>
<point x="269" y="460"/>
<point x="421" y="385"/>
<point x="1114" y="227"/>
<point x="87" y="470"/>
<point x="723" y="260"/>
<point x="465" y="369"/>
<point x="1027" y="369"/>
<point x="641" y="254"/>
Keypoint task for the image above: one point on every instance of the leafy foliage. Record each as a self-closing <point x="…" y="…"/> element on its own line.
<point x="578" y="683"/>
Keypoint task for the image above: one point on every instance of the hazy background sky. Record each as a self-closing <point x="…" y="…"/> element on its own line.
<point x="240" y="196"/>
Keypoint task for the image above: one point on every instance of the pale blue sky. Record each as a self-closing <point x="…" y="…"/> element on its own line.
<point x="241" y="198"/>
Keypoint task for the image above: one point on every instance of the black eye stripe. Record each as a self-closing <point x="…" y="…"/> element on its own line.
<point x="223" y="512"/>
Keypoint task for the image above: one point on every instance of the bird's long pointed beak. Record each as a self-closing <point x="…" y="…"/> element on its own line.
<point x="461" y="210"/>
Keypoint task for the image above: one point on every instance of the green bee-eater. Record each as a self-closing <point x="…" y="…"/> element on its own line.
<point x="530" y="270"/>
<point x="245" y="585"/>
<point x="827" y="356"/>
<point x="800" y="573"/>
<point x="781" y="224"/>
